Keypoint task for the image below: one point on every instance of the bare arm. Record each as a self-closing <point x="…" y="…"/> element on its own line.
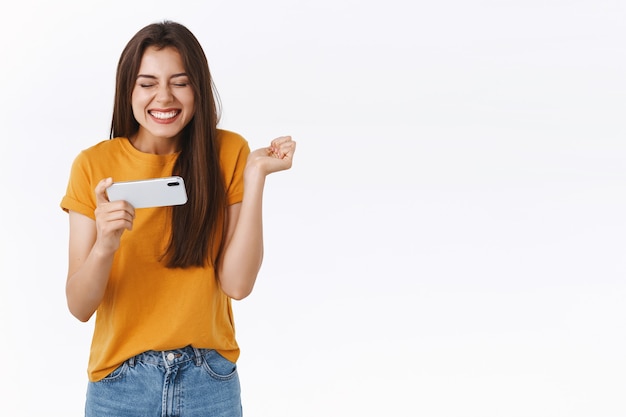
<point x="92" y="245"/>
<point x="243" y="249"/>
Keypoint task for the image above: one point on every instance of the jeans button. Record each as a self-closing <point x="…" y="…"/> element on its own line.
<point x="170" y="356"/>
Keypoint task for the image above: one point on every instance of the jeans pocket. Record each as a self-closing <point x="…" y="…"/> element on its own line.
<point x="218" y="367"/>
<point x="117" y="374"/>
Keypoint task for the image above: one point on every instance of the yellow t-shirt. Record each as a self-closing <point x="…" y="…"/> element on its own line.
<point x="147" y="306"/>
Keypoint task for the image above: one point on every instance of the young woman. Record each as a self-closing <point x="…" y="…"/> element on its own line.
<point x="161" y="280"/>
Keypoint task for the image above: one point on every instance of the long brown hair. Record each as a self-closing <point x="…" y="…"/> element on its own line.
<point x="196" y="226"/>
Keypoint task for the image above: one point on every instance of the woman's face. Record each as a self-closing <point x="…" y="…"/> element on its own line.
<point x="162" y="99"/>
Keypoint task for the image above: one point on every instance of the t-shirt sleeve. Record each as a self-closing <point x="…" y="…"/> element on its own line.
<point x="235" y="151"/>
<point x="80" y="196"/>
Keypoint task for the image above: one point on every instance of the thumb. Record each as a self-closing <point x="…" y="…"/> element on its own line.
<point x="101" y="196"/>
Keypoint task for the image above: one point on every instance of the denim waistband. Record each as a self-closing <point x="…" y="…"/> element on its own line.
<point x="169" y="358"/>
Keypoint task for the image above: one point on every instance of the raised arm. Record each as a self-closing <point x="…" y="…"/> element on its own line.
<point x="92" y="245"/>
<point x="243" y="249"/>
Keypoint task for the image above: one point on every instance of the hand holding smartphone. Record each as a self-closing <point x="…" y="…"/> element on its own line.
<point x="153" y="192"/>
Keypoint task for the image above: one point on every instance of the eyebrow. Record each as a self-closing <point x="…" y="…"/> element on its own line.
<point x="181" y="74"/>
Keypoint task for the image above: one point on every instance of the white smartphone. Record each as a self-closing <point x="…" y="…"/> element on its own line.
<point x="153" y="192"/>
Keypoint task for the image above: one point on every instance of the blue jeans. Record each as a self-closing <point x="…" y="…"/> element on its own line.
<point x="186" y="382"/>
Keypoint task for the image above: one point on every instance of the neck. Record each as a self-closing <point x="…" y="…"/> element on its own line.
<point x="154" y="145"/>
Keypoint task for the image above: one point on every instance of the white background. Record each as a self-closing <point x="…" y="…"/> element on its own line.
<point x="449" y="242"/>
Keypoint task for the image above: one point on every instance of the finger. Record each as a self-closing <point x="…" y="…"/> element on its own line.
<point x="115" y="216"/>
<point x="122" y="222"/>
<point x="276" y="143"/>
<point x="283" y="146"/>
<point x="119" y="208"/>
<point x="287" y="150"/>
<point x="100" y="190"/>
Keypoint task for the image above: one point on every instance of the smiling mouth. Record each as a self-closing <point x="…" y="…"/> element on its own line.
<point x="164" y="115"/>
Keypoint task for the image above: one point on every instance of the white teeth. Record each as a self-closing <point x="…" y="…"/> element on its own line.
<point x="161" y="115"/>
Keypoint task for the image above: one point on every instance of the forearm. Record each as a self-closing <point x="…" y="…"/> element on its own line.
<point x="85" y="288"/>
<point x="243" y="252"/>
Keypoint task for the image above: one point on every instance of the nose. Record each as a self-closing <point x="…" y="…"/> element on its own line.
<point x="164" y="94"/>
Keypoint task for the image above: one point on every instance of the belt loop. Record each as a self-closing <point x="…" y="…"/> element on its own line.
<point x="197" y="356"/>
<point x="131" y="361"/>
